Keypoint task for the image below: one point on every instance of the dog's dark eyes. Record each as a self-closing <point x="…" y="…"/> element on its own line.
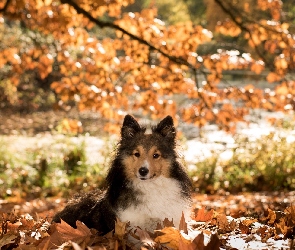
<point x="137" y="154"/>
<point x="156" y="156"/>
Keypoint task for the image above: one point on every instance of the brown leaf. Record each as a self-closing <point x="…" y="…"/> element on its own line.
<point x="214" y="243"/>
<point x="168" y="223"/>
<point x="222" y="223"/>
<point x="244" y="228"/>
<point x="198" y="242"/>
<point x="79" y="235"/>
<point x="144" y="237"/>
<point x="171" y="237"/>
<point x="120" y="229"/>
<point x="7" y="239"/>
<point x="202" y="215"/>
<point x="183" y="224"/>
<point x="248" y="222"/>
<point x="271" y="216"/>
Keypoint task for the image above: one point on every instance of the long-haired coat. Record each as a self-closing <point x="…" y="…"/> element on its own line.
<point x="145" y="183"/>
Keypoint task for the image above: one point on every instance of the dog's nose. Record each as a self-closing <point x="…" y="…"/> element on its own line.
<point x="143" y="171"/>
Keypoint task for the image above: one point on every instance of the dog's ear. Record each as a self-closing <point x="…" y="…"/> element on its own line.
<point x="166" y="128"/>
<point x="130" y="127"/>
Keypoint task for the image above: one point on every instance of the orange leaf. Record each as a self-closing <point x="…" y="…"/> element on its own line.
<point x="202" y="215"/>
<point x="80" y="234"/>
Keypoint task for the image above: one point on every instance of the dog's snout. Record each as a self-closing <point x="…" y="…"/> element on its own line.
<point x="143" y="171"/>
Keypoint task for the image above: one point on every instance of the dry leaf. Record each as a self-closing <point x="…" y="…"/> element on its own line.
<point x="168" y="223"/>
<point x="203" y="215"/>
<point x="144" y="237"/>
<point x="120" y="229"/>
<point x="79" y="235"/>
<point x="183" y="224"/>
<point x="171" y="238"/>
<point x="7" y="239"/>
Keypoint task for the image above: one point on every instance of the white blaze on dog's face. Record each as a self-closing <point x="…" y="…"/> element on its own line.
<point x="146" y="163"/>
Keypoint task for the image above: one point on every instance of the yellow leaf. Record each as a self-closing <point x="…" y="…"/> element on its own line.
<point x="120" y="229"/>
<point x="172" y="238"/>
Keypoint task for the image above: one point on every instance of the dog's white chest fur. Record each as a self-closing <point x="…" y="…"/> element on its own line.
<point x="158" y="198"/>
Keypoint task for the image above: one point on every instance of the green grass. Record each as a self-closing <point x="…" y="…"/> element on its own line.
<point x="266" y="164"/>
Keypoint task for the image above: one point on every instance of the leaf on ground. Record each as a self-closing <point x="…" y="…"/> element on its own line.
<point x="27" y="222"/>
<point x="168" y="223"/>
<point x="183" y="224"/>
<point x="204" y="216"/>
<point x="244" y="228"/>
<point x="223" y="224"/>
<point x="290" y="215"/>
<point x="183" y="245"/>
<point x="13" y="226"/>
<point x="198" y="243"/>
<point x="248" y="222"/>
<point x="171" y="238"/>
<point x="81" y="233"/>
<point x="281" y="227"/>
<point x="271" y="216"/>
<point x="214" y="243"/>
<point x="144" y="237"/>
<point x="120" y="229"/>
<point x="7" y="239"/>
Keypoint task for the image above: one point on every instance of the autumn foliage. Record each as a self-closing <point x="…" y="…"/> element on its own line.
<point x="112" y="61"/>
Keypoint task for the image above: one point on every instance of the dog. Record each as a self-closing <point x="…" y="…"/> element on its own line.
<point x="145" y="184"/>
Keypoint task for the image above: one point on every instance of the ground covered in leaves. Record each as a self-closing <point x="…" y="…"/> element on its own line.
<point x="244" y="221"/>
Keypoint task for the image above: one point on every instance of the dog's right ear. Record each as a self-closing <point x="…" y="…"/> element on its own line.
<point x="130" y="127"/>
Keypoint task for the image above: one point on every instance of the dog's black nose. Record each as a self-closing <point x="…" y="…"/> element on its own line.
<point x="143" y="171"/>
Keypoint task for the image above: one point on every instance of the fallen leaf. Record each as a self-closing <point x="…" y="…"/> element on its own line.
<point x="81" y="234"/>
<point x="244" y="228"/>
<point x="7" y="239"/>
<point x="183" y="224"/>
<point x="168" y="223"/>
<point x="144" y="237"/>
<point x="171" y="238"/>
<point x="198" y="242"/>
<point x="214" y="243"/>
<point x="271" y="216"/>
<point x="222" y="223"/>
<point x="120" y="229"/>
<point x="248" y="222"/>
<point x="203" y="215"/>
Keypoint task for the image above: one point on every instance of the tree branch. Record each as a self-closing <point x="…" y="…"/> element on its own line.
<point x="104" y="24"/>
<point x="229" y="10"/>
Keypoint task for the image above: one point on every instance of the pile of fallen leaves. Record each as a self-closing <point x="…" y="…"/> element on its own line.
<point x="208" y="230"/>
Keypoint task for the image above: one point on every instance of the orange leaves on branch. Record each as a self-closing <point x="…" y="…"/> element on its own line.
<point x="228" y="28"/>
<point x="273" y="77"/>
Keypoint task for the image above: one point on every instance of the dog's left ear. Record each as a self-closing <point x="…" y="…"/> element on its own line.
<point x="166" y="128"/>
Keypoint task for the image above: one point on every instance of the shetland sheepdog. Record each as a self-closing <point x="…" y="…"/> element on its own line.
<point x="145" y="184"/>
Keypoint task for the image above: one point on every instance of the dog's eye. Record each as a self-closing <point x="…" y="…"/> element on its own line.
<point x="156" y="156"/>
<point x="137" y="154"/>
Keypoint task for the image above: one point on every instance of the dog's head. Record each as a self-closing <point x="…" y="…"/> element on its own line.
<point x="147" y="156"/>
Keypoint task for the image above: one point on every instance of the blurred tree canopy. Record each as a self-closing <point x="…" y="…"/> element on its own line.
<point x="152" y="57"/>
